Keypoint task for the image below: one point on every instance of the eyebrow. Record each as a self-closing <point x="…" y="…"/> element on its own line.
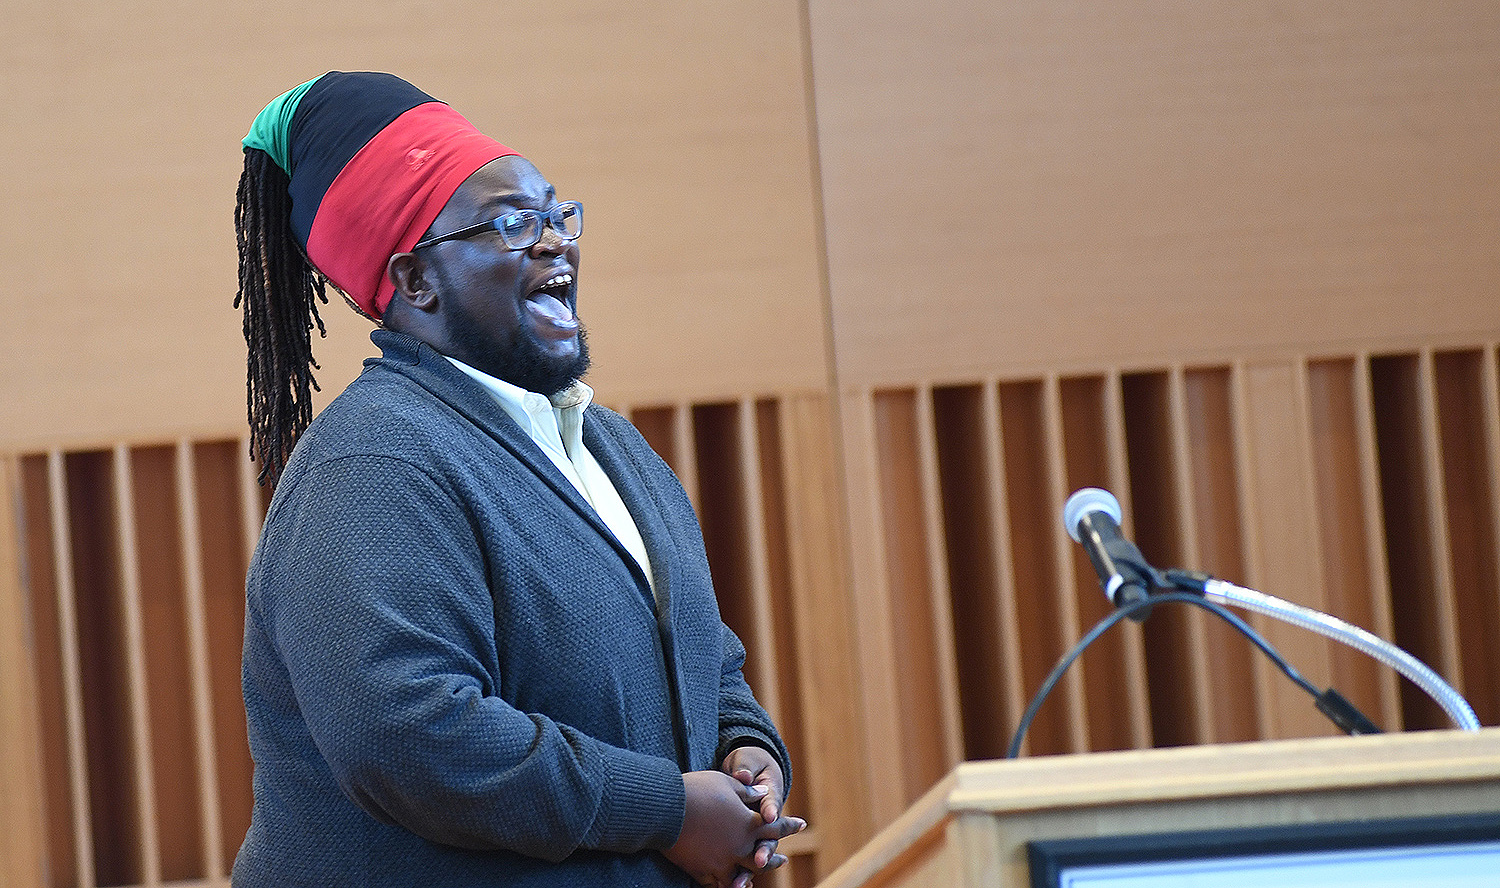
<point x="493" y="204"/>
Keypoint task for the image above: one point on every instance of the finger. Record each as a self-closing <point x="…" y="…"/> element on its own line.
<point x="770" y="806"/>
<point x="741" y="880"/>
<point x="770" y="778"/>
<point x="765" y="849"/>
<point x="781" y="828"/>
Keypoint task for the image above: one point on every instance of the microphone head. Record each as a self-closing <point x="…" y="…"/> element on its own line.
<point x="1086" y="500"/>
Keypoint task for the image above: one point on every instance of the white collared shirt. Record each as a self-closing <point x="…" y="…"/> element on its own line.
<point x="556" y="425"/>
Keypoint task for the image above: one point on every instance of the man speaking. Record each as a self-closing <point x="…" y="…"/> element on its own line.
<point x="481" y="641"/>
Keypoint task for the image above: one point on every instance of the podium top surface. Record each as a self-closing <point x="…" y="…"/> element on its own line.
<point x="1022" y="787"/>
<point x="1229" y="769"/>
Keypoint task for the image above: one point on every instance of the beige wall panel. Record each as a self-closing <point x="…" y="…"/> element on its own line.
<point x="1039" y="183"/>
<point x="682" y="126"/>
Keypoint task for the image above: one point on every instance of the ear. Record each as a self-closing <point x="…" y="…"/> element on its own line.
<point x="414" y="281"/>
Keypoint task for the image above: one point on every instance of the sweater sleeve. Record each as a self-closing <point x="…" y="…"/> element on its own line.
<point x="742" y="720"/>
<point x="372" y="585"/>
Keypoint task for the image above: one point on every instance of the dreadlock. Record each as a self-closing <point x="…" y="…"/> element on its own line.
<point x="280" y="291"/>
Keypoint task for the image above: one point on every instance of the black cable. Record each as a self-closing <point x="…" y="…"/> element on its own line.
<point x="1119" y="614"/>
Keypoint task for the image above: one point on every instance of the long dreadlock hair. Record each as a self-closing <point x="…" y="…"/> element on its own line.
<point x="280" y="291"/>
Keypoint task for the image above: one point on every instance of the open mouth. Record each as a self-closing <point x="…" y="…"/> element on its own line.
<point x="559" y="287"/>
<point x="552" y="302"/>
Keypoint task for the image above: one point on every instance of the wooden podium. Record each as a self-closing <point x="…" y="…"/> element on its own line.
<point x="973" y="827"/>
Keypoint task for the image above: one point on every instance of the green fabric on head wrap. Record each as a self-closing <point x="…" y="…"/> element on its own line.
<point x="272" y="126"/>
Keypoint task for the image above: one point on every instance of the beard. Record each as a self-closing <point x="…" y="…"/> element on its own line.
<point x="527" y="366"/>
<point x="519" y="358"/>
<point x="524" y="363"/>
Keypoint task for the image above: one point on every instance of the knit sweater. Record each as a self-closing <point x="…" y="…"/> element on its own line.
<point x="453" y="673"/>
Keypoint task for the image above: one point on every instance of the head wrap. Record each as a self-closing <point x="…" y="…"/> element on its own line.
<point x="372" y="161"/>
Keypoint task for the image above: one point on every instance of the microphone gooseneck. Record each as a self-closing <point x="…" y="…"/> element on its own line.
<point x="1092" y="517"/>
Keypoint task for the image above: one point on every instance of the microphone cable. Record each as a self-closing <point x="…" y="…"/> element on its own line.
<point x="1332" y="704"/>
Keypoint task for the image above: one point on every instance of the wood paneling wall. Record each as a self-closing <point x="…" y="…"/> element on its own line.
<point x="134" y="560"/>
<point x="884" y="282"/>
<point x="1361" y="485"/>
<point x="1236" y="264"/>
<point x="1039" y="184"/>
<point x="133" y="563"/>
<point x="1364" y="485"/>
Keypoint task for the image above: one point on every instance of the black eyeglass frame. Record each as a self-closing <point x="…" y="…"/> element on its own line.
<point x="553" y="217"/>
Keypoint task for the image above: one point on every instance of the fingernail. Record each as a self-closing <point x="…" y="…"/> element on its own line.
<point x="758" y="790"/>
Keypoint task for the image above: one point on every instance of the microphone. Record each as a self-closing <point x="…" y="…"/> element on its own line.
<point x="1092" y="517"/>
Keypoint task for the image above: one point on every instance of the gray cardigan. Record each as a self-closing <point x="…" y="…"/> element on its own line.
<point x="454" y="674"/>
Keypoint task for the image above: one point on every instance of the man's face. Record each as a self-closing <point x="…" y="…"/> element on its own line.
<point x="510" y="313"/>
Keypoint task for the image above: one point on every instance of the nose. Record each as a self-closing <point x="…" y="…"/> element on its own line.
<point x="550" y="243"/>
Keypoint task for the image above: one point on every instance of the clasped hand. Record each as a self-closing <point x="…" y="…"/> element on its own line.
<point x="734" y="820"/>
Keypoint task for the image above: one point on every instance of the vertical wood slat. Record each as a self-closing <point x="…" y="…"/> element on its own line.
<point x="1034" y="527"/>
<point x="1133" y="639"/>
<point x="22" y="817"/>
<point x="1470" y="553"/>
<point x="1445" y="616"/>
<point x="1214" y="540"/>
<point x="1217" y="530"/>
<point x="1200" y="669"/>
<point x="770" y="469"/>
<point x="1374" y="523"/>
<point x="835" y="784"/>
<point x="686" y="465"/>
<point x="1073" y="696"/>
<point x="1176" y="716"/>
<point x="1490" y="378"/>
<point x="1342" y="457"/>
<point x="135" y="653"/>
<point x="938" y="585"/>
<point x="1405" y="463"/>
<point x="1084" y="404"/>
<point x="1014" y="693"/>
<point x="1490" y="393"/>
<point x="1312" y="569"/>
<point x="43" y="649"/>
<point x="768" y="686"/>
<point x="967" y="522"/>
<point x="873" y="620"/>
<point x="250" y="511"/>
<point x="1250" y="504"/>
<point x="902" y="521"/>
<point x="1286" y="560"/>
<point x="230" y="504"/>
<point x="67" y="615"/>
<point x="197" y="637"/>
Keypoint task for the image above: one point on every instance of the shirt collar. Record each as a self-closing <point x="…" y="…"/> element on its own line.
<point x="570" y="401"/>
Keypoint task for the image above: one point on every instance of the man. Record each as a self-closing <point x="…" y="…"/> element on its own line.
<point x="481" y="642"/>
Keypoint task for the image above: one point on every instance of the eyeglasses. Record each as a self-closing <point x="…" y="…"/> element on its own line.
<point x="522" y="229"/>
